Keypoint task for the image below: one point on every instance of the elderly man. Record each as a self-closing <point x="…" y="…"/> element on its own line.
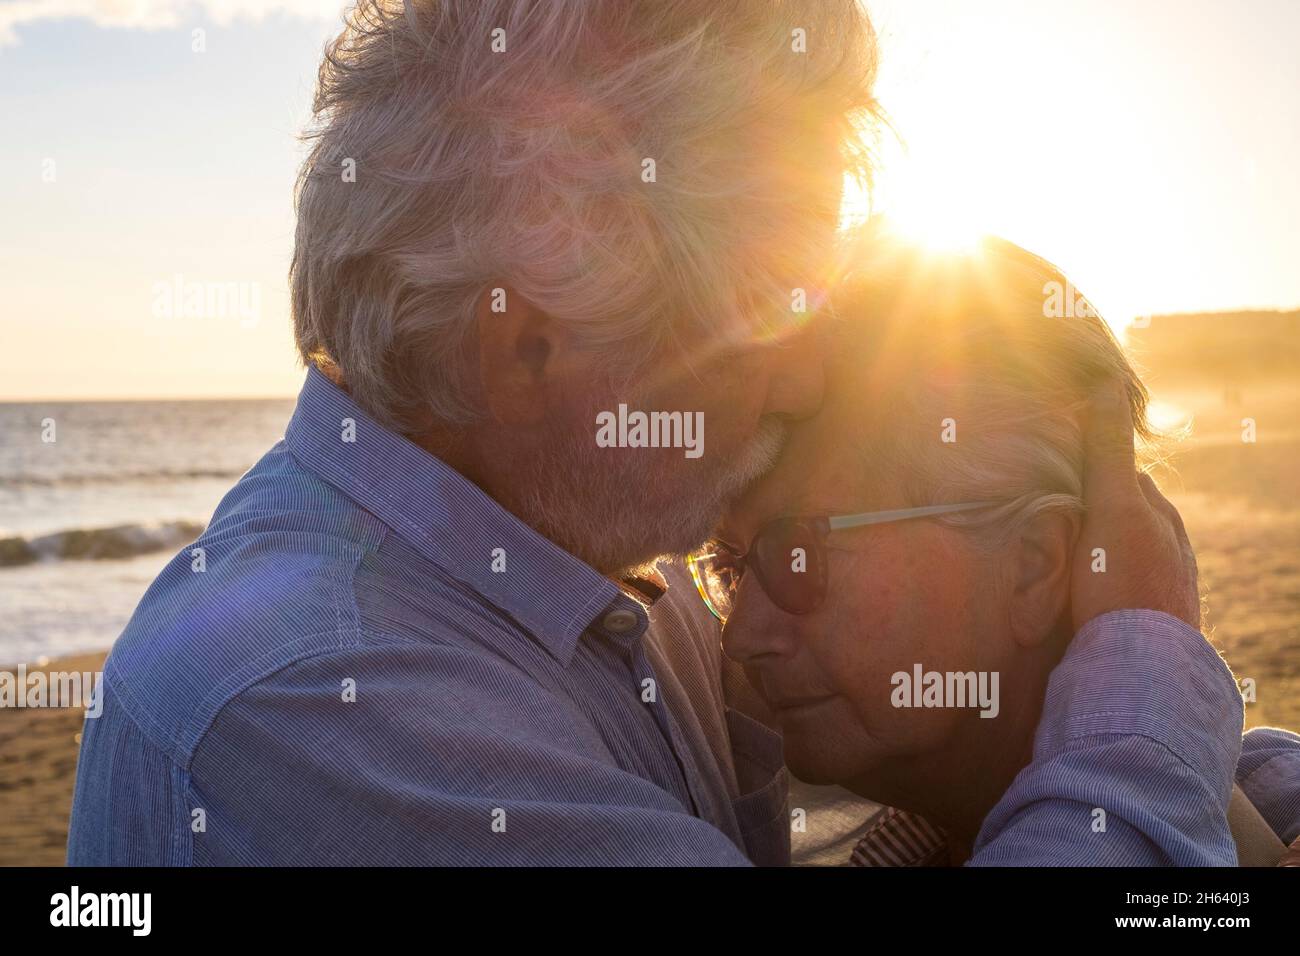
<point x="415" y="631"/>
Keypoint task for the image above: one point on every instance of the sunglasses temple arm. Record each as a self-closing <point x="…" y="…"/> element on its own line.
<point x="902" y="514"/>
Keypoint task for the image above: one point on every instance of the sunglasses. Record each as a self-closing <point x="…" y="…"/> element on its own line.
<point x="788" y="558"/>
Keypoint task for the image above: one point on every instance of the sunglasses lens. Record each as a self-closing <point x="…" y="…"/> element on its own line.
<point x="787" y="559"/>
<point x="716" y="573"/>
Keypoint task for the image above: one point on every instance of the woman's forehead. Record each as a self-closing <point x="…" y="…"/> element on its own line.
<point x="823" y="469"/>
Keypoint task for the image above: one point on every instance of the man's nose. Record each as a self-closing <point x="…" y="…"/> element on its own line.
<point x="797" y="382"/>
<point x="755" y="629"/>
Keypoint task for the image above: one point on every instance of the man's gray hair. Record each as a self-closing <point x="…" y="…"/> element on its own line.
<point x="465" y="144"/>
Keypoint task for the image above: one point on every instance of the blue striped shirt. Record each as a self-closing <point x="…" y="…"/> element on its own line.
<point x="366" y="660"/>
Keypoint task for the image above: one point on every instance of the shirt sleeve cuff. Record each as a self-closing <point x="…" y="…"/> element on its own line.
<point x="1146" y="673"/>
<point x="1269" y="773"/>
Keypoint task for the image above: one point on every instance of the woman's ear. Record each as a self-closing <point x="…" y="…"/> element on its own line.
<point x="1041" y="592"/>
<point x="524" y="356"/>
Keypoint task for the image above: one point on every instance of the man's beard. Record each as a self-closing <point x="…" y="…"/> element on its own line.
<point x="620" y="508"/>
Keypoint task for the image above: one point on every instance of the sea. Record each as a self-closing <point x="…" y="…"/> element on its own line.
<point x="96" y="497"/>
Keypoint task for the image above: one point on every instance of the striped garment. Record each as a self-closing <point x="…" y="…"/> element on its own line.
<point x="899" y="838"/>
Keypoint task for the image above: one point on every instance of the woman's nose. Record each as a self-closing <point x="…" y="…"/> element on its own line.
<point x="755" y="628"/>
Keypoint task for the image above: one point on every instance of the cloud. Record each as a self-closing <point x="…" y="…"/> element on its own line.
<point x="157" y="14"/>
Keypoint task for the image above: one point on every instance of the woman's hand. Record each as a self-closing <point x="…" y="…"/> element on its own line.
<point x="1147" y="558"/>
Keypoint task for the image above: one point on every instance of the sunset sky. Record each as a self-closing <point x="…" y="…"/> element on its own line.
<point x="1149" y="147"/>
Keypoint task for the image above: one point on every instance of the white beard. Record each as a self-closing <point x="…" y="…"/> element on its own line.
<point x="605" y="506"/>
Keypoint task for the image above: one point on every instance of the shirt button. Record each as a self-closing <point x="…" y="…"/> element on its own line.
<point x="620" y="621"/>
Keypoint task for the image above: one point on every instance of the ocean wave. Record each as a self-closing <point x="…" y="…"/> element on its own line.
<point x="120" y="477"/>
<point x="97" y="544"/>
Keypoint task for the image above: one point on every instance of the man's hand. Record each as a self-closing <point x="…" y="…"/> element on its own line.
<point x="1148" y="560"/>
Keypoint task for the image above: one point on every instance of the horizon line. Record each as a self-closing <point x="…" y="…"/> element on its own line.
<point x="288" y="396"/>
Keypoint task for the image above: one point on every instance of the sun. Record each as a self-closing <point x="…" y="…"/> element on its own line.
<point x="921" y="211"/>
<point x="936" y="226"/>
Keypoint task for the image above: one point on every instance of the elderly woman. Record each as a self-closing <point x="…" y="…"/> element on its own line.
<point x="898" y="588"/>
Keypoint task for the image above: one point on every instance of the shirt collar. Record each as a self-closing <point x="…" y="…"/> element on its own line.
<point x="452" y="522"/>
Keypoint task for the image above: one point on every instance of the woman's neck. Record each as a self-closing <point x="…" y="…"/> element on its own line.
<point x="957" y="786"/>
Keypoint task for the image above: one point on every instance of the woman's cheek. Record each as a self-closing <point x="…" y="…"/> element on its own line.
<point x="907" y="613"/>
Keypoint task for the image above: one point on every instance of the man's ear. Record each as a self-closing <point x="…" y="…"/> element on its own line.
<point x="1041" y="592"/>
<point x="523" y="356"/>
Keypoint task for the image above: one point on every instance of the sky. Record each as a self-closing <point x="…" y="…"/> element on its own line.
<point x="1148" y="147"/>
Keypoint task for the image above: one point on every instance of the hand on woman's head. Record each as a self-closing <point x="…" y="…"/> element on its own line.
<point x="1134" y="551"/>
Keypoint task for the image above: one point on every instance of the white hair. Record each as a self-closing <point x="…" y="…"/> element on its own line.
<point x="524" y="168"/>
<point x="964" y="342"/>
<point x="671" y="517"/>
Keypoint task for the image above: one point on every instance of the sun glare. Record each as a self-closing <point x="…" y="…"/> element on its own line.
<point x="922" y="213"/>
<point x="935" y="225"/>
<point x="944" y="212"/>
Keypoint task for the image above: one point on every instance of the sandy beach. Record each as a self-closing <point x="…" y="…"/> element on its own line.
<point x="38" y="763"/>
